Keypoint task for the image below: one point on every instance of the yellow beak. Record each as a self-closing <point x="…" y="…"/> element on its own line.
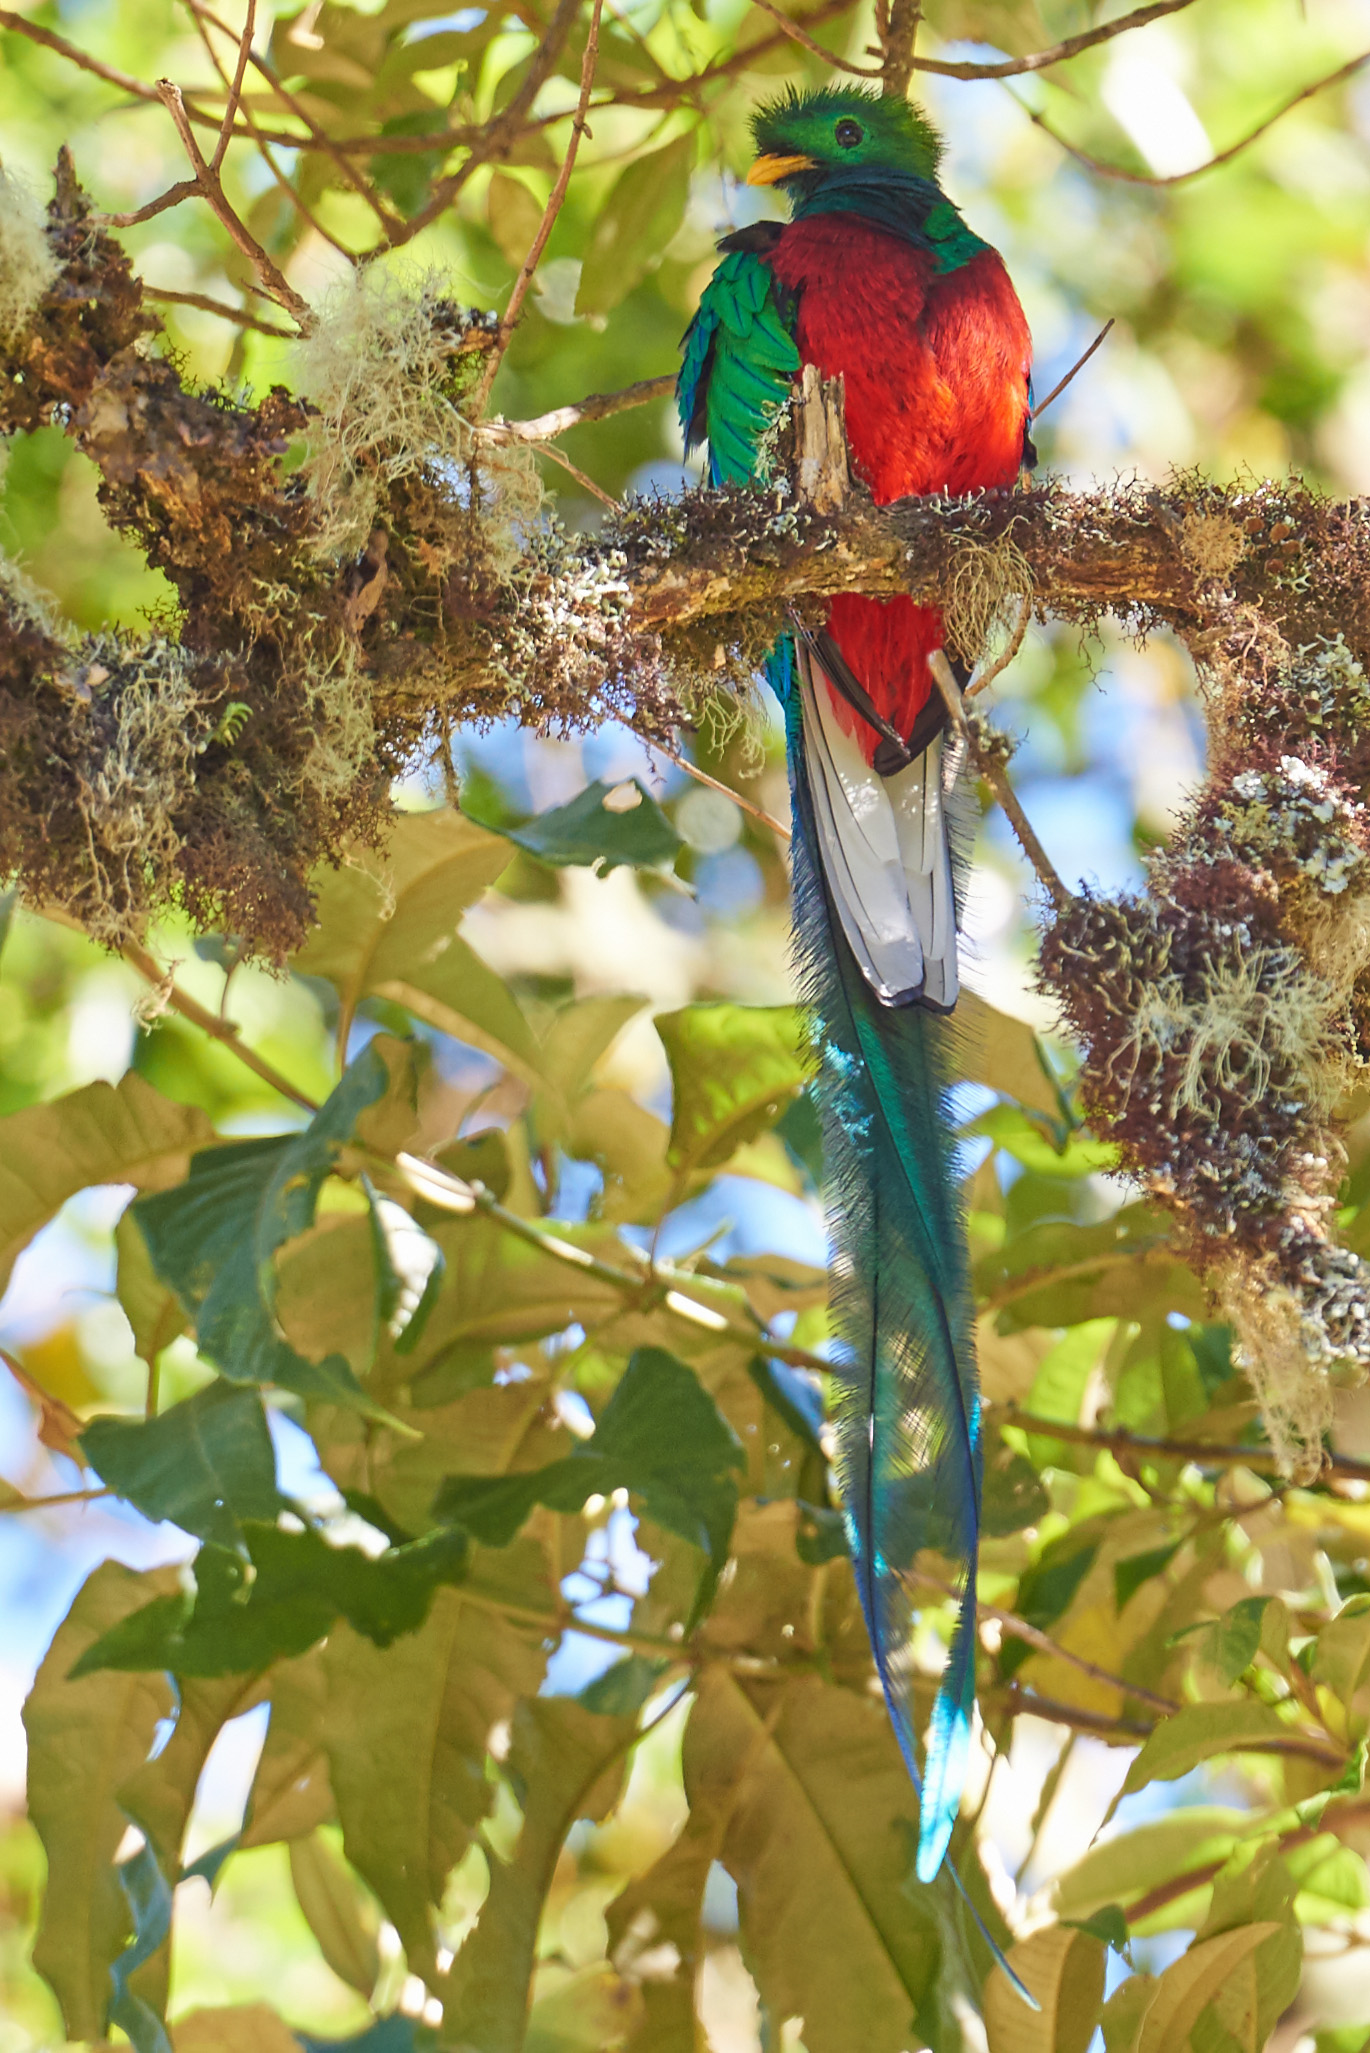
<point x="770" y="170"/>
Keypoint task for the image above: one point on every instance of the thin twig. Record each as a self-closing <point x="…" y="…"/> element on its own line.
<point x="996" y="777"/>
<point x="59" y="1497"/>
<point x="545" y="226"/>
<point x="316" y="138"/>
<point x="235" y="90"/>
<point x="1001" y="662"/>
<point x="1060" y="386"/>
<point x="272" y="280"/>
<point x="239" y="315"/>
<point x="715" y="784"/>
<point x="599" y="406"/>
<point x="1059" y="53"/>
<point x="494" y="142"/>
<point x="1204" y="1453"/>
<point x="224" y="1031"/>
<point x="588" y="483"/>
<point x="807" y="42"/>
<point x="1019" y="1629"/>
<point x="1159" y="180"/>
<point x="184" y="189"/>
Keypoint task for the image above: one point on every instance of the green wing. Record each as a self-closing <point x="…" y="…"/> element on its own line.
<point x="740" y="359"/>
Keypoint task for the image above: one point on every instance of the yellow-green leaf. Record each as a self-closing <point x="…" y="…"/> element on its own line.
<point x="338" y="1912"/>
<point x="734" y="1069"/>
<point x="1064" y="1969"/>
<point x="86" y="1739"/>
<point x="105" y="1133"/>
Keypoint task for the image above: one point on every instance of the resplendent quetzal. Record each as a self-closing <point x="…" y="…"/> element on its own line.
<point x="877" y="278"/>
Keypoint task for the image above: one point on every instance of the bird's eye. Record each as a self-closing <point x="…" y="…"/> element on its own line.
<point x="848" y="134"/>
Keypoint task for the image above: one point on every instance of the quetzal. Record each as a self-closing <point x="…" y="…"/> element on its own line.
<point x="877" y="278"/>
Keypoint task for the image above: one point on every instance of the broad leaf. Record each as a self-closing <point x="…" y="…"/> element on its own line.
<point x="1064" y="1969"/>
<point x="590" y="833"/>
<point x="238" y="2028"/>
<point x="239" y="1620"/>
<point x="395" y="934"/>
<point x="660" y="1436"/>
<point x="406" y="1735"/>
<point x="214" y="1237"/>
<point x="127" y="1133"/>
<point x="205" y="1464"/>
<point x="821" y="1823"/>
<point x="565" y="1763"/>
<point x="1187" y="1987"/>
<point x="734" y="1069"/>
<point x="635" y="223"/>
<point x="86" y="1738"/>
<point x="290" y="1793"/>
<point x="338" y="1912"/>
<point x="995" y="1049"/>
<point x="1198" y="1733"/>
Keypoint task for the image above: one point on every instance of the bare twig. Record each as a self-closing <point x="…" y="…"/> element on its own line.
<point x="598" y="407"/>
<point x="1059" y="387"/>
<point x="238" y="315"/>
<point x="235" y="90"/>
<point x="1158" y="180"/>
<point x="1205" y="1454"/>
<point x="225" y="1031"/>
<point x="492" y="143"/>
<point x="1001" y="662"/>
<point x="715" y="784"/>
<point x="807" y="42"/>
<point x="1058" y="53"/>
<point x="272" y="279"/>
<point x="184" y="189"/>
<point x="549" y="217"/>
<point x="996" y="777"/>
<point x="1032" y="1636"/>
<point x="587" y="483"/>
<point x="316" y="139"/>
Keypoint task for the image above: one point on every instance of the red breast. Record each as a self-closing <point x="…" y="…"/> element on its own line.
<point x="936" y="369"/>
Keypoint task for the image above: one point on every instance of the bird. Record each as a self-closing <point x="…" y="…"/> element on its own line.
<point x="877" y="279"/>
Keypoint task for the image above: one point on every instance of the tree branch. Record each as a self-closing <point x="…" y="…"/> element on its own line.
<point x="1059" y="53"/>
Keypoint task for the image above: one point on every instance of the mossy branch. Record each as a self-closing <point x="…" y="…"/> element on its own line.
<point x="361" y="567"/>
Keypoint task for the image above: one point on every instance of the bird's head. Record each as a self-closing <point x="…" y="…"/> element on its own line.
<point x="806" y="139"/>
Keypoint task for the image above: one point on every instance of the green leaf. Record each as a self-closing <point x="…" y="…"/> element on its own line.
<point x="205" y="1464"/>
<point x="406" y="1733"/>
<point x="820" y="1816"/>
<point x="734" y="1069"/>
<point x="237" y="1622"/>
<point x="1063" y="1966"/>
<point x="660" y="1436"/>
<point x="338" y="1912"/>
<point x="127" y="1133"/>
<point x="1235" y="1639"/>
<point x="290" y="1794"/>
<point x="395" y="935"/>
<point x="1136" y="1569"/>
<point x="213" y="1238"/>
<point x="1047" y="1591"/>
<point x="148" y="1895"/>
<point x="639" y="217"/>
<point x="1196" y="1839"/>
<point x="152" y="1309"/>
<point x="1014" y="1496"/>
<point x="565" y="1763"/>
<point x="1004" y="1053"/>
<point x="587" y="833"/>
<point x="86" y="1738"/>
<point x="514" y="216"/>
<point x="1190" y="1984"/>
<point x="623" y="1689"/>
<point x="1011" y="1128"/>
<point x="1198" y="1733"/>
<point x="1342" y="1658"/>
